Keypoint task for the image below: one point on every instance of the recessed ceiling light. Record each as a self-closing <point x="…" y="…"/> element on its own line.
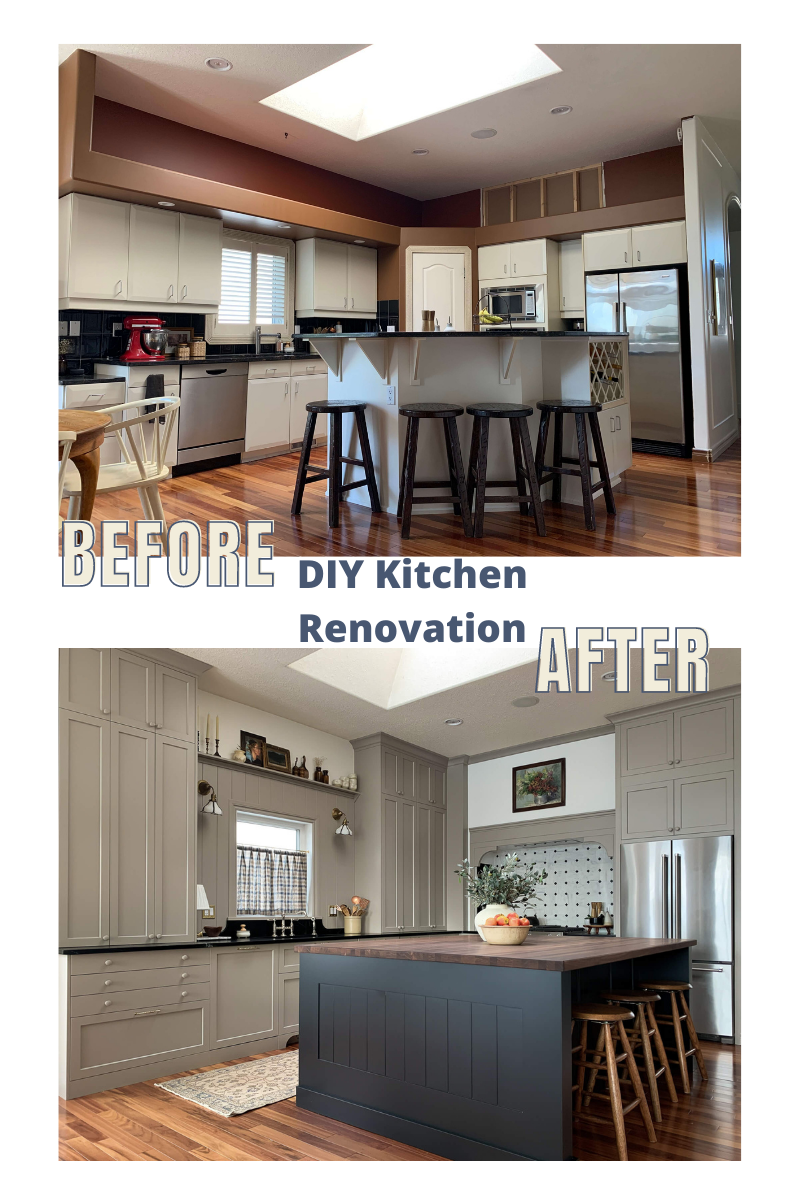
<point x="561" y="110"/>
<point x="525" y="701"/>
<point x="454" y="721"/>
<point x="166" y="204"/>
<point x="609" y="677"/>
<point x="419" y="151"/>
<point x="218" y="64"/>
<point x="483" y="133"/>
<point x="358" y="241"/>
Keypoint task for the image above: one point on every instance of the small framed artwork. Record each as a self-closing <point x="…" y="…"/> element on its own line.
<point x="539" y="785"/>
<point x="260" y="753"/>
<point x="178" y="337"/>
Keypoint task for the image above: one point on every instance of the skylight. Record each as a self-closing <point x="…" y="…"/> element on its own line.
<point x="362" y="95"/>
<point x="390" y="678"/>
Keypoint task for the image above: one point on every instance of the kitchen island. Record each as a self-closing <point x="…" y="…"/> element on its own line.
<point x="456" y="1046"/>
<point x="494" y="364"/>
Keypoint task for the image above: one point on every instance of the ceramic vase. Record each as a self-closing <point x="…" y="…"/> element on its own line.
<point x="352" y="926"/>
<point x="491" y="910"/>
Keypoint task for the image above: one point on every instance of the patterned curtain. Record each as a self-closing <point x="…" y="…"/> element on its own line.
<point x="271" y="881"/>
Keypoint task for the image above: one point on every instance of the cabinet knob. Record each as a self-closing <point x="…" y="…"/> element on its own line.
<point x="106" y="1003"/>
<point x="108" y="962"/>
<point x="671" y="763"/>
<point x="185" y="975"/>
<point x="106" y="711"/>
<point x="105" y="937"/>
<point x="184" y="957"/>
<point x="677" y="761"/>
<point x="183" y="994"/>
<point x="158" y="935"/>
<point x="106" y="983"/>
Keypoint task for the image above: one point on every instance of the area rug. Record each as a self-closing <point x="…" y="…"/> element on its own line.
<point x="239" y="1089"/>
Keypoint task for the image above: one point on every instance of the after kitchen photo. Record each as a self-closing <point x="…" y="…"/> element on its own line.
<point x="507" y="328"/>
<point x="326" y="906"/>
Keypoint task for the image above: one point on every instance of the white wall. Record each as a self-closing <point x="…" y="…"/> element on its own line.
<point x="290" y="735"/>
<point x="590" y="782"/>
<point x="709" y="181"/>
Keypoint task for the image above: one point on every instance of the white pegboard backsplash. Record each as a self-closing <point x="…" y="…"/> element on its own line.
<point x="576" y="874"/>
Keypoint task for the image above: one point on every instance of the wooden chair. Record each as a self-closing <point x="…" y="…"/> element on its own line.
<point x="66" y="440"/>
<point x="605" y="1060"/>
<point x="525" y="480"/>
<point x="457" y="482"/>
<point x="646" y="1028"/>
<point x="143" y="467"/>
<point x="580" y="410"/>
<point x="333" y="472"/>
<point x="676" y="1020"/>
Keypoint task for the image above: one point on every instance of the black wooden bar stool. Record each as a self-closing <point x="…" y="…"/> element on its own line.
<point x="333" y="472"/>
<point x="580" y="409"/>
<point x="457" y="483"/>
<point x="677" y="1019"/>
<point x="525" y="480"/>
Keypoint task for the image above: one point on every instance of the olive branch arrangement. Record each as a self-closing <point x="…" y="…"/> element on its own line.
<point x="501" y="885"/>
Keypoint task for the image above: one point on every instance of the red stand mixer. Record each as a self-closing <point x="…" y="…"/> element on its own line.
<point x="147" y="339"/>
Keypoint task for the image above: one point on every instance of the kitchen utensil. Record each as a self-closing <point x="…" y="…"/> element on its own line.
<point x="505" y="935"/>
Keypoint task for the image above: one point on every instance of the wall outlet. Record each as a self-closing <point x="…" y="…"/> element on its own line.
<point x="391" y="394"/>
<point x="209" y="912"/>
<point x="63" y="329"/>
<point x="116" y="329"/>
<point x="74" y="329"/>
<point x="333" y="910"/>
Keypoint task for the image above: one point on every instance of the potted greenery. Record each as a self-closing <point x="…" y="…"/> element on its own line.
<point x="500" y="889"/>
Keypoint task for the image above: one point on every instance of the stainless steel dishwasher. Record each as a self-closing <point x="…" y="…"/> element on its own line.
<point x="212" y="416"/>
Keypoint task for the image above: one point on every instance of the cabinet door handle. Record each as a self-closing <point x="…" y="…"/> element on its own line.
<point x="712" y="970"/>
<point x="158" y="935"/>
<point x="185" y="975"/>
<point x="352" y="302"/>
<point x="296" y="387"/>
<point x="612" y="425"/>
<point x="118" y="289"/>
<point x="286" y="390"/>
<point x="638" y="256"/>
<point x="626" y="256"/>
<point x="184" y="290"/>
<point x="563" y="301"/>
<point x="105" y="937"/>
<point x="677" y="762"/>
<point x="515" y="268"/>
<point x="171" y="291"/>
<point x="345" y="301"/>
<point x="505" y="269"/>
<point x="145" y="1012"/>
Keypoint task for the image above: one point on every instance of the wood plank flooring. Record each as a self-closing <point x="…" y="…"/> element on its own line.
<point x="143" y="1123"/>
<point x="665" y="506"/>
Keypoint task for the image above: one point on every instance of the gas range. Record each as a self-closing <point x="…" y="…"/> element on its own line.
<point x="561" y="930"/>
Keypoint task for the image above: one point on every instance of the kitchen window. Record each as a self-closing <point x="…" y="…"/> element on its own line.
<point x="273" y="865"/>
<point x="257" y="289"/>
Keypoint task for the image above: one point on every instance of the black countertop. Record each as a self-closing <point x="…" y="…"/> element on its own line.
<point x="496" y="331"/>
<point x="329" y="935"/>
<point x="209" y="358"/>
<point x="63" y="379"/>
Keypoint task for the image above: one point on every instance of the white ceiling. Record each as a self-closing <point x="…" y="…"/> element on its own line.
<point x="626" y="99"/>
<point x="264" y="680"/>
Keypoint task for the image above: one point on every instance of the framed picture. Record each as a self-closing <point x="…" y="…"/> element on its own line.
<point x="539" y="785"/>
<point x="260" y="753"/>
<point x="178" y="337"/>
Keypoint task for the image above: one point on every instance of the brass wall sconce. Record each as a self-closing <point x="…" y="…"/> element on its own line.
<point x="344" y="828"/>
<point x="210" y="806"/>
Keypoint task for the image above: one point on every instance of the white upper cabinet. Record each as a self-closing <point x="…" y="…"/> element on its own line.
<point x="335" y="278"/>
<point x="659" y="245"/>
<point x="512" y="260"/>
<point x="570" y="262"/>
<point x="199" y="260"/>
<point x="95" y="257"/>
<point x="153" y="255"/>
<point x="494" y="261"/>
<point x="608" y="250"/>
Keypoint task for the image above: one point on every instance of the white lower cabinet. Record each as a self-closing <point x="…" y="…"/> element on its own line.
<point x="615" y="427"/>
<point x="243" y="991"/>
<point x="268" y="408"/>
<point x="307" y="389"/>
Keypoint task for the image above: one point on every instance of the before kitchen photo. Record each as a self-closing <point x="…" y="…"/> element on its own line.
<point x="509" y="327"/>
<point x="331" y="905"/>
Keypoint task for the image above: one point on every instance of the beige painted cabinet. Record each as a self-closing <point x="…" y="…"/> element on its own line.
<point x="130" y="689"/>
<point x="685" y="737"/>
<point x="175" y="840"/>
<point x="243" y="993"/>
<point x="607" y="250"/>
<point x="413" y="866"/>
<point x="288" y="992"/>
<point x="510" y="260"/>
<point x="84" y="681"/>
<point x="646" y="745"/>
<point x="84" y="797"/>
<point x="413" y="778"/>
<point x="646" y="809"/>
<point x="704" y="803"/>
<point x="140" y="1037"/>
<point x="132" y="835"/>
<point x="175" y="703"/>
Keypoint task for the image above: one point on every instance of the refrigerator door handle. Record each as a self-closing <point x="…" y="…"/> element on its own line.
<point x="715" y="970"/>
<point x="624" y="327"/>
<point x="677" y="918"/>
<point x="664" y="895"/>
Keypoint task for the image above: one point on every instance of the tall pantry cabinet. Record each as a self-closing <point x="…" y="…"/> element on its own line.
<point x="128" y="804"/>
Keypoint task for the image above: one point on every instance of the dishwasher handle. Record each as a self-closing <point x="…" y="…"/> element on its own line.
<point x="216" y="370"/>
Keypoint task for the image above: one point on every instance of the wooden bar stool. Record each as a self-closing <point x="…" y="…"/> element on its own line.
<point x="333" y="472"/>
<point x="646" y="1027"/>
<point x="457" y="483"/>
<point x="677" y="990"/>
<point x="525" y="480"/>
<point x="605" y="1060"/>
<point x="580" y="410"/>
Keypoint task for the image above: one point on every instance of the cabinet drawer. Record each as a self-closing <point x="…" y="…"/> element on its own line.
<point x="101" y="1044"/>
<point x="138" y="960"/>
<point x="288" y="959"/>
<point x="137" y="376"/>
<point x="305" y="366"/>
<point x="87" y="1006"/>
<point x="93" y="395"/>
<point x="268" y="370"/>
<point x="125" y="981"/>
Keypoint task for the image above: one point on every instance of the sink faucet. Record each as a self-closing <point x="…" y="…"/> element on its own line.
<point x="257" y="339"/>
<point x="291" y="926"/>
<point x="280" y="930"/>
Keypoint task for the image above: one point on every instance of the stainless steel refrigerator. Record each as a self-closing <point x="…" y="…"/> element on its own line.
<point x="684" y="888"/>
<point x="646" y="306"/>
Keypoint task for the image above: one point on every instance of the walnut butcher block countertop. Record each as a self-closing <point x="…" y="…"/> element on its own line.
<point x="537" y="953"/>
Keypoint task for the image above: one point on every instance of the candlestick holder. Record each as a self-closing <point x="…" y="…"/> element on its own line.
<point x="206" y="745"/>
<point x="216" y="751"/>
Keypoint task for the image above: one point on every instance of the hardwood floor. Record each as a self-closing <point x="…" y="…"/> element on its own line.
<point x="665" y="506"/>
<point x="143" y="1123"/>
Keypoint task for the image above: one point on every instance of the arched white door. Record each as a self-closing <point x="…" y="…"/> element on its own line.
<point x="438" y="284"/>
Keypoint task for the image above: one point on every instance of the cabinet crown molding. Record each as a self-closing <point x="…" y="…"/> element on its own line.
<point x="672" y="701"/>
<point x="394" y="743"/>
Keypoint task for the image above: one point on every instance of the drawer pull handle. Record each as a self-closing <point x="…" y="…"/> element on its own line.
<point x="146" y="1012"/>
<point x="106" y="1003"/>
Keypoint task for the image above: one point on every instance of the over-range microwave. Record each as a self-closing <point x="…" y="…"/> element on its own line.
<point x="522" y="303"/>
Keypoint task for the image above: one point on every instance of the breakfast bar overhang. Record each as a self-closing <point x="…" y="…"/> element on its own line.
<point x="388" y="370"/>
<point x="456" y="1046"/>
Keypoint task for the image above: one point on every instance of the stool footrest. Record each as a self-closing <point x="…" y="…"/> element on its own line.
<point x="668" y="1020"/>
<point x="354" y="462"/>
<point x="347" y="487"/>
<point x="437" y="483"/>
<point x="321" y="474"/>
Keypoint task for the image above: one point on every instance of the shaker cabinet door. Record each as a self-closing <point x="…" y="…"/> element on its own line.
<point x="174" y="840"/>
<point x="704" y="803"/>
<point x="84" y="766"/>
<point x="647" y="810"/>
<point x="175" y="703"/>
<point x="84" y="681"/>
<point x="243" y="985"/>
<point x="132" y="835"/>
<point x="392" y="850"/>
<point x="422" y="868"/>
<point x="133" y="690"/>
<point x="362" y="276"/>
<point x="704" y="734"/>
<point x="646" y="745"/>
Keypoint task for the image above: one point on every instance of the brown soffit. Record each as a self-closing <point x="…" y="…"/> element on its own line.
<point x="571" y="225"/>
<point x="82" y="169"/>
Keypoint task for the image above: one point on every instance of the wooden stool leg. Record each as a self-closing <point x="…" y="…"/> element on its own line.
<point x="558" y="450"/>
<point x="519" y="470"/>
<point x="600" y="455"/>
<point x="408" y="478"/>
<point x="335" y="478"/>
<point x="649" y="1065"/>
<point x="366" y="458"/>
<point x="401" y="496"/>
<point x="480" y="473"/>
<point x="661" y="1052"/>
<point x="473" y="462"/>
<point x="637" y="1083"/>
<point x="586" y="471"/>
<point x="693" y="1038"/>
<point x="305" y="456"/>
<point x="615" y="1094"/>
<point x="581" y="1069"/>
<point x="596" y="1057"/>
<point x="679" y="1046"/>
<point x="457" y="468"/>
<point x="541" y="442"/>
<point x="533" y="478"/>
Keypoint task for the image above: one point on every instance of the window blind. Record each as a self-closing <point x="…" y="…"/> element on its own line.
<point x="270" y="289"/>
<point x="234" y="308"/>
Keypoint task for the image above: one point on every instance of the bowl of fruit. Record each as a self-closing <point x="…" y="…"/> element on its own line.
<point x="504" y="930"/>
